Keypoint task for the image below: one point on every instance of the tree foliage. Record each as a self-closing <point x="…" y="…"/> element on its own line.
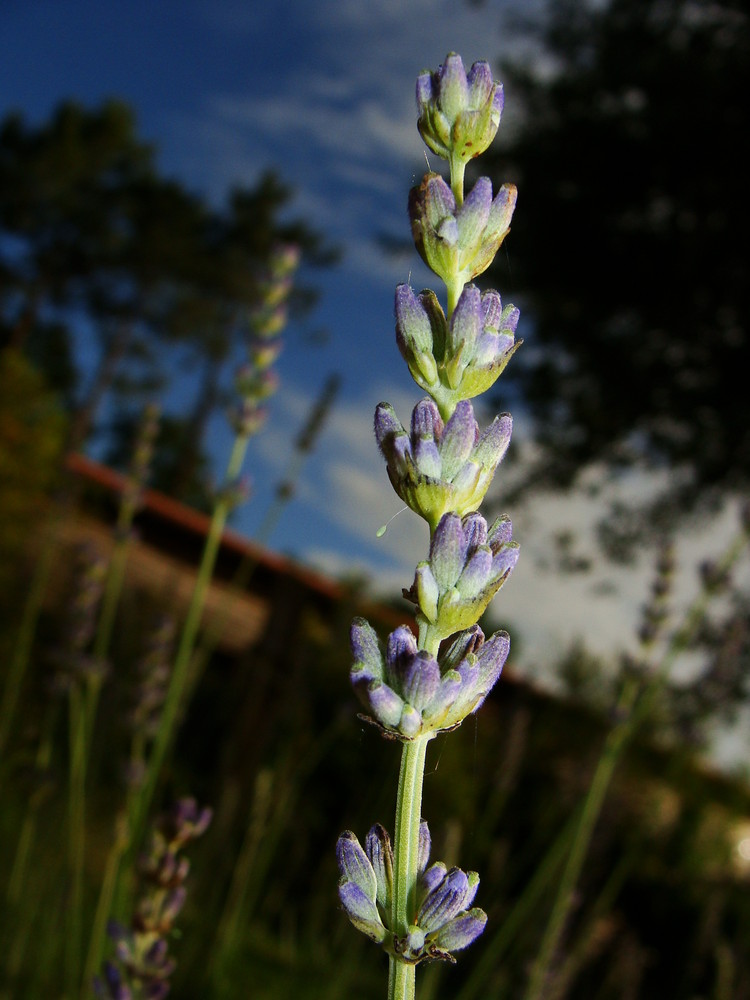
<point x="627" y="247"/>
<point x="96" y="243"/>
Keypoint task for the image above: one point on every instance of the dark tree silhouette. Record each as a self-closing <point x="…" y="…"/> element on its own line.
<point x="93" y="238"/>
<point x="629" y="244"/>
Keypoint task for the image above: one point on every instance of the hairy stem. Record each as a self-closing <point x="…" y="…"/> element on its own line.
<point x="406" y="857"/>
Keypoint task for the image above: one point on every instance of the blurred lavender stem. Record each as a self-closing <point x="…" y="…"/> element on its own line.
<point x="130" y="503"/>
<point x="283" y="494"/>
<point x="24" y="643"/>
<point x="254" y="383"/>
<point x="634" y="705"/>
<point x="173" y="704"/>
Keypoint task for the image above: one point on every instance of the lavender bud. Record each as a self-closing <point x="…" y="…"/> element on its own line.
<point x="414" y="336"/>
<point x="462" y="931"/>
<point x="111" y="987"/>
<point x="358" y="885"/>
<point x="441" y="468"/>
<point x="380" y="852"/>
<point x="354" y="864"/>
<point x="459" y="243"/>
<point x="425" y="845"/>
<point x="464" y="687"/>
<point x="420" y="680"/>
<point x="366" y="649"/>
<point x="431" y="879"/>
<point x="459" y="113"/>
<point x="444" y="923"/>
<point x="362" y="911"/>
<point x="385" y="704"/>
<point x="467" y="566"/>
<point x="452" y="895"/>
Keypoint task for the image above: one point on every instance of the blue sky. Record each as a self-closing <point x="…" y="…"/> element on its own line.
<point x="324" y="93"/>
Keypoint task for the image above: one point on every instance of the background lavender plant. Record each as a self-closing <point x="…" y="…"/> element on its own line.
<point x="143" y="965"/>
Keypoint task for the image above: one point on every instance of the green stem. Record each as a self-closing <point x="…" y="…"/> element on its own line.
<point x="104" y="904"/>
<point x="613" y="747"/>
<point x="457" y="169"/>
<point x="76" y="834"/>
<point x="401" y="980"/>
<point x="110" y="601"/>
<point x="406" y="856"/>
<point x="26" y="631"/>
<point x="181" y="671"/>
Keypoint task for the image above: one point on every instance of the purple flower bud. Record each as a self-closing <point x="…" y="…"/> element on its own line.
<point x="493" y="442"/>
<point x="501" y="212"/>
<point x="464" y="330"/>
<point x="380" y="852"/>
<point x="432" y="210"/>
<point x="448" y="551"/>
<point x="445" y="696"/>
<point x="425" y="844"/>
<point x="491" y="658"/>
<point x="463" y="574"/>
<point x="385" y="704"/>
<point x="500" y="533"/>
<point x="459" y="242"/>
<point x="476" y="573"/>
<point x="459" y="439"/>
<point x="362" y="911"/>
<point x="427" y="457"/>
<point x="474" y="214"/>
<point x="354" y="865"/>
<point x="465" y="685"/>
<point x="425" y="591"/>
<point x="482" y="87"/>
<point x="445" y="901"/>
<point x="475" y="530"/>
<point x="484" y="227"/>
<point x="462" y="931"/>
<point x="387" y="425"/>
<point x="425" y="90"/>
<point x="459" y="113"/>
<point x="400" y="651"/>
<point x="420" y="680"/>
<point x="467" y="642"/>
<point x="453" y="86"/>
<point x="504" y="560"/>
<point x="431" y="878"/>
<point x="186" y="821"/>
<point x="440" y="467"/>
<point x="366" y="649"/>
<point x="414" y="336"/>
<point x="426" y="421"/>
<point x="111" y="987"/>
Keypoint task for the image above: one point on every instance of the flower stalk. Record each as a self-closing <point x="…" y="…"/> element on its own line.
<point x="255" y="382"/>
<point x="441" y="465"/>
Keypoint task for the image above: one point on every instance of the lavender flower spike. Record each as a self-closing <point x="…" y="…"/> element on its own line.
<point x="142" y="949"/>
<point x="418" y="684"/>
